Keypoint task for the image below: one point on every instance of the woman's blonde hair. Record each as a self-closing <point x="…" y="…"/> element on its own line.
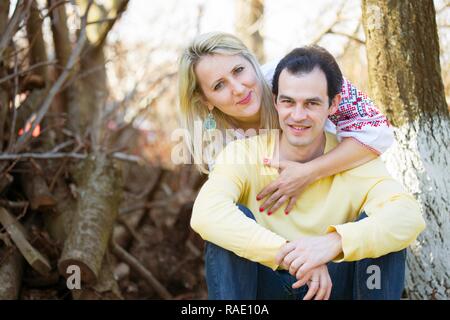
<point x="190" y="94"/>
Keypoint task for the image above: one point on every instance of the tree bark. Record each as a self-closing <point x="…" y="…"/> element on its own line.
<point x="11" y="269"/>
<point x="68" y="100"/>
<point x="99" y="188"/>
<point x="405" y="78"/>
<point x="4" y="97"/>
<point x="106" y="287"/>
<point x="249" y="18"/>
<point x="35" y="187"/>
<point x="36" y="41"/>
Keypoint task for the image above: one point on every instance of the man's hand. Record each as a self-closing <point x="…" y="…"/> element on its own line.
<point x="319" y="283"/>
<point x="306" y="253"/>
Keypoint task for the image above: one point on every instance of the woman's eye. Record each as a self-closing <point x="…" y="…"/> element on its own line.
<point x="239" y="69"/>
<point x="218" y="86"/>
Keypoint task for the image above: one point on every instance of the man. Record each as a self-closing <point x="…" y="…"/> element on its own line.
<point x="342" y="230"/>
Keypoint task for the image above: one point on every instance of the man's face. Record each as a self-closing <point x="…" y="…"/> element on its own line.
<point x="303" y="107"/>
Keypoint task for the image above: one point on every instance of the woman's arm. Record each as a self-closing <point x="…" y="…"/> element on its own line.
<point x="357" y="117"/>
<point x="295" y="177"/>
<point x="350" y="153"/>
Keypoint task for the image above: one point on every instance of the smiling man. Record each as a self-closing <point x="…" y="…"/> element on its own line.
<point x="346" y="235"/>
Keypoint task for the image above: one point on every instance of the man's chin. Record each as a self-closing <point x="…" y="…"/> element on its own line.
<point x="298" y="141"/>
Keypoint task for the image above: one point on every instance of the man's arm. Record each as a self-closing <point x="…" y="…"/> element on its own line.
<point x="216" y="217"/>
<point x="394" y="221"/>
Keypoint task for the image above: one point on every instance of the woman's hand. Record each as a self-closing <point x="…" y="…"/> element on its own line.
<point x="294" y="178"/>
<point x="319" y="283"/>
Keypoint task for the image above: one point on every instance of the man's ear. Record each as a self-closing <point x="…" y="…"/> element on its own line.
<point x="274" y="97"/>
<point x="335" y="104"/>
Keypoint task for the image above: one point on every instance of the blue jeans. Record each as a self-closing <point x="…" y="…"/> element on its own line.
<point x="230" y="277"/>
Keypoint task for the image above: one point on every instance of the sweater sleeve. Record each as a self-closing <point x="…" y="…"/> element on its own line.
<point x="393" y="222"/>
<point x="216" y="217"/>
<point x="357" y="116"/>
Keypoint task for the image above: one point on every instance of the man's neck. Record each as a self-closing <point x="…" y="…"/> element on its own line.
<point x="302" y="153"/>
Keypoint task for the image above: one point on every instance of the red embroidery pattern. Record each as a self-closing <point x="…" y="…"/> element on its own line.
<point x="356" y="111"/>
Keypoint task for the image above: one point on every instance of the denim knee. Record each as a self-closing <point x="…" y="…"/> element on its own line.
<point x="246" y="211"/>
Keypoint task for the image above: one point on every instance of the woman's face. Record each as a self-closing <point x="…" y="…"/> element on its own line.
<point x="230" y="84"/>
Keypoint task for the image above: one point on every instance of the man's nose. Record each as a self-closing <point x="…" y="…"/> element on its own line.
<point x="299" y="113"/>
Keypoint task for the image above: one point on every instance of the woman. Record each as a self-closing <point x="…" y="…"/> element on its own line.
<point x="221" y="83"/>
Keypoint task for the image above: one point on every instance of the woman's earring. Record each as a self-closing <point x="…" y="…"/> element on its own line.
<point x="210" y="122"/>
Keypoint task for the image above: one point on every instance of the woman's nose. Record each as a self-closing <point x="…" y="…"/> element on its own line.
<point x="238" y="88"/>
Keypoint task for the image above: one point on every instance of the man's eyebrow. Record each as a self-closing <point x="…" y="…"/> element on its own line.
<point x="282" y="96"/>
<point x="314" y="99"/>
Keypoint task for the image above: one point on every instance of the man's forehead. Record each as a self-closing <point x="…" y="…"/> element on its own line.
<point x="313" y="83"/>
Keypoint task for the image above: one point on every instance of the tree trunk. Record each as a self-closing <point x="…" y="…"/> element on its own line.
<point x="36" y="41"/>
<point x="68" y="100"/>
<point x="4" y="99"/>
<point x="405" y="78"/>
<point x="249" y="18"/>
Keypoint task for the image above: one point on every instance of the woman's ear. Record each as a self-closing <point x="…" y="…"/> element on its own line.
<point x="206" y="103"/>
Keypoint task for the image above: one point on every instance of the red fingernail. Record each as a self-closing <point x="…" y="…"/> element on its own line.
<point x="258" y="198"/>
<point x="269" y="213"/>
<point x="261" y="209"/>
<point x="286" y="212"/>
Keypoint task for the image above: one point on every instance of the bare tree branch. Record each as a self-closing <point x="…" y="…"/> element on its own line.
<point x="31" y="68"/>
<point x="20" y="12"/>
<point x="121" y="7"/>
<point x="57" y="85"/>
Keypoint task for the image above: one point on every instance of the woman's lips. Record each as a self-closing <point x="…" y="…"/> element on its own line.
<point x="247" y="99"/>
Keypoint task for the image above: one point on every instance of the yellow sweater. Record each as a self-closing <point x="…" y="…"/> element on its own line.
<point x="330" y="204"/>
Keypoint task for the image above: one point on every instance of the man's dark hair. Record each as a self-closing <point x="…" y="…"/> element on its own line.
<point x="303" y="60"/>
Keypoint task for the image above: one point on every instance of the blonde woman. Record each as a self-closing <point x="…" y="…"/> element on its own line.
<point x="222" y="85"/>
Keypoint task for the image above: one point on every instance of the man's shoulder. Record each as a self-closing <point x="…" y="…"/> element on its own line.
<point x="372" y="169"/>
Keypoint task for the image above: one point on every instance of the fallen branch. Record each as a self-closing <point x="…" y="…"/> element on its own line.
<point x="19" y="236"/>
<point x="99" y="188"/>
<point x="11" y="269"/>
<point x="134" y="264"/>
<point x="35" y="187"/>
